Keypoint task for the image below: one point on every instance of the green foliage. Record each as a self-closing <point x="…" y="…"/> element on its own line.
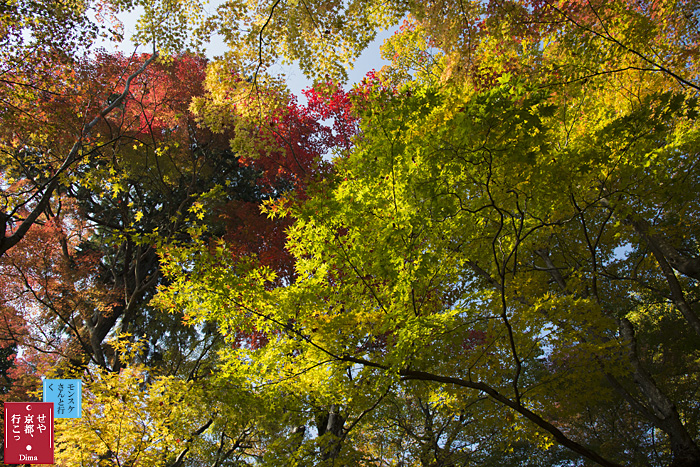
<point x="137" y="417"/>
<point x="472" y="238"/>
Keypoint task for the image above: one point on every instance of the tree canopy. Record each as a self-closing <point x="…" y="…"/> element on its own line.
<point x="485" y="253"/>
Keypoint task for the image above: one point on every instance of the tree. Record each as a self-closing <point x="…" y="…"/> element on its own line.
<point x="499" y="265"/>
<point x="44" y="47"/>
<point x="149" y="176"/>
<point x="500" y="237"/>
<point x="137" y="417"/>
<point x="21" y="145"/>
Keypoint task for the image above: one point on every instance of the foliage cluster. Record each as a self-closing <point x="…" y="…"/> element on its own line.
<point x="485" y="253"/>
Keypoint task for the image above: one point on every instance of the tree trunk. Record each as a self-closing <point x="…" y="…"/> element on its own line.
<point x="331" y="422"/>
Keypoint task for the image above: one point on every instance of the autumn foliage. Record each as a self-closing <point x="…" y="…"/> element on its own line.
<point x="484" y="253"/>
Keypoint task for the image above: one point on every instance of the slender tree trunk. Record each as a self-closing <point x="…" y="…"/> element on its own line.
<point x="331" y="422"/>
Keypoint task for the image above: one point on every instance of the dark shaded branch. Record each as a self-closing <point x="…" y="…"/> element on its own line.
<point x="408" y="374"/>
<point x="181" y="457"/>
<point x="677" y="295"/>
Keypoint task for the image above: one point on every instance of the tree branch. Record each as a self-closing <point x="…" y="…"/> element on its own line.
<point x="8" y="242"/>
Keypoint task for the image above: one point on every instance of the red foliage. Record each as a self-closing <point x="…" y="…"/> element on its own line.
<point x="304" y="138"/>
<point x="157" y="106"/>
<point x="252" y="340"/>
<point x="43" y="291"/>
<point x="248" y="231"/>
<point x="472" y="340"/>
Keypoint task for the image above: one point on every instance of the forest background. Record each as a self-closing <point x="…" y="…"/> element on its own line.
<point x="486" y="253"/>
